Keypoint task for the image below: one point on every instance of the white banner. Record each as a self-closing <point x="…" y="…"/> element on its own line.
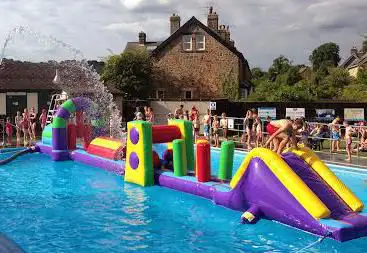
<point x="295" y="113"/>
<point x="264" y="112"/>
<point x="230" y="123"/>
<point x="354" y="114"/>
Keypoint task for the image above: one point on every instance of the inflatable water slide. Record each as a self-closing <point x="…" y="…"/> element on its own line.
<point x="296" y="189"/>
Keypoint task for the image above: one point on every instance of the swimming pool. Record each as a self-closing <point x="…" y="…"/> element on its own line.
<point x="50" y="206"/>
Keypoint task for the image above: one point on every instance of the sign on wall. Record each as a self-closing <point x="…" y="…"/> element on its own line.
<point x="264" y="112"/>
<point x="295" y="113"/>
<point x="354" y="114"/>
<point x="325" y="114"/>
<point x="230" y="123"/>
<point x="212" y="106"/>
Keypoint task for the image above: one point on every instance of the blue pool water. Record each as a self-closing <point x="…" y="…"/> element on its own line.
<point x="50" y="206"/>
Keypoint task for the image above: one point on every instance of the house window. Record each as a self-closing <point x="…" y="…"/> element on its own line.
<point x="159" y="94"/>
<point x="187" y="42"/>
<point x="200" y="42"/>
<point x="188" y="94"/>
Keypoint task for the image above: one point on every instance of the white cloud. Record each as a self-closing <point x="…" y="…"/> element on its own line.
<point x="262" y="29"/>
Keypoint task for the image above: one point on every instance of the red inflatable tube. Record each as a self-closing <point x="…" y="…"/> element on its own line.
<point x="165" y="134"/>
<point x="72" y="137"/>
<point x="103" y="152"/>
<point x="79" y="124"/>
<point x="203" y="162"/>
<point x="87" y="134"/>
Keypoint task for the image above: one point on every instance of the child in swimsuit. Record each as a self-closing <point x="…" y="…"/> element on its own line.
<point x="224" y="125"/>
<point x="196" y="124"/>
<point x="32" y="118"/>
<point x="259" y="132"/>
<point x="348" y="140"/>
<point x="43" y="118"/>
<point x="18" y="124"/>
<point x="25" y="126"/>
<point x="9" y="132"/>
<point x="281" y="132"/>
<point x="215" y="130"/>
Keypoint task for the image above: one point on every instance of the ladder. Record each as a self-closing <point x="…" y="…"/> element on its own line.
<point x="56" y="100"/>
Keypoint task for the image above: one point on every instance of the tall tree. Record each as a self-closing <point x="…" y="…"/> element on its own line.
<point x="280" y="66"/>
<point x="257" y="73"/>
<point x="130" y="72"/>
<point x="326" y="55"/>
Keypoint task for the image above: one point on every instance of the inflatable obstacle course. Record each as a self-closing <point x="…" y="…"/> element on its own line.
<point x="106" y="147"/>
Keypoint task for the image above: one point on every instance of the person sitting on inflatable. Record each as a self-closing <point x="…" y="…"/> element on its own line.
<point x="281" y="132"/>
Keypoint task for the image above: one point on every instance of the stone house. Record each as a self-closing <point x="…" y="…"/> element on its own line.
<point x="195" y="61"/>
<point x="356" y="61"/>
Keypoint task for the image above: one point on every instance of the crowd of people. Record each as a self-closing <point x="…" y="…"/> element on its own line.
<point x="24" y="125"/>
<point x="273" y="134"/>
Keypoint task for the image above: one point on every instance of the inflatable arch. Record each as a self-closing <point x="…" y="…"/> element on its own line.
<point x="59" y="126"/>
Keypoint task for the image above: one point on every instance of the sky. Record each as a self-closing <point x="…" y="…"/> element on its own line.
<point x="262" y="29"/>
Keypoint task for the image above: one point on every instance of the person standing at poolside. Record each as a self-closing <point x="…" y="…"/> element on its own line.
<point x="335" y="135"/>
<point x="348" y="140"/>
<point x="194" y="112"/>
<point x="149" y="115"/>
<point x="32" y="118"/>
<point x="9" y="132"/>
<point x="224" y="125"/>
<point x="43" y="119"/>
<point x="179" y="111"/>
<point x="18" y="126"/>
<point x="281" y="132"/>
<point x="206" y="124"/>
<point x="26" y="125"/>
<point x="216" y="131"/>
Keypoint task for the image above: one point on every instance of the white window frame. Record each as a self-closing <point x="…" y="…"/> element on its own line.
<point x="186" y="90"/>
<point x="184" y="42"/>
<point x="200" y="42"/>
<point x="157" y="93"/>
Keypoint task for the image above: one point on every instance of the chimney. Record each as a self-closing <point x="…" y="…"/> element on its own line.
<point x="222" y="32"/>
<point x="142" y="38"/>
<point x="175" y="21"/>
<point x="354" y="51"/>
<point x="213" y="20"/>
<point x="228" y="34"/>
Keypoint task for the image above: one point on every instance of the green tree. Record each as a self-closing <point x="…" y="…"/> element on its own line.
<point x="130" y="72"/>
<point x="326" y="55"/>
<point x="293" y="76"/>
<point x="280" y="66"/>
<point x="362" y="77"/>
<point x="257" y="73"/>
<point x="331" y="87"/>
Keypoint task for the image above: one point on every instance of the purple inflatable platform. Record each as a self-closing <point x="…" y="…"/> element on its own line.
<point x="260" y="192"/>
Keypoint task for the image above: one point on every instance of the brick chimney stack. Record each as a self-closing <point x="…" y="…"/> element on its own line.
<point x="222" y="32"/>
<point x="354" y="51"/>
<point x="228" y="34"/>
<point x="213" y="20"/>
<point x="142" y="38"/>
<point x="175" y="22"/>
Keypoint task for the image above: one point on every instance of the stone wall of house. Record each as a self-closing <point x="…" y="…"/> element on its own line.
<point x="200" y="71"/>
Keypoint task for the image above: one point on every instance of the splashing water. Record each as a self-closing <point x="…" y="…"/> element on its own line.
<point x="77" y="78"/>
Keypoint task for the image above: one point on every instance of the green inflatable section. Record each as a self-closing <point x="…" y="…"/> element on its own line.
<point x="226" y="160"/>
<point x="179" y="158"/>
<point x="58" y="122"/>
<point x="47" y="132"/>
<point x="147" y="145"/>
<point x="189" y="143"/>
<point x="69" y="105"/>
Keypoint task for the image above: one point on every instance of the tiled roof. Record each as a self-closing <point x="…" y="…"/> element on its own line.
<point x="17" y="75"/>
<point x="355" y="60"/>
<point x="149" y="46"/>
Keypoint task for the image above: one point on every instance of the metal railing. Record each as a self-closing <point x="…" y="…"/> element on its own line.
<point x="314" y="141"/>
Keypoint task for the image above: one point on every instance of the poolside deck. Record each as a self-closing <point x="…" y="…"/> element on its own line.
<point x="339" y="159"/>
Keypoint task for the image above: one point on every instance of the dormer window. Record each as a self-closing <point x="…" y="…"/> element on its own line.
<point x="187" y="42"/>
<point x="200" y="42"/>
